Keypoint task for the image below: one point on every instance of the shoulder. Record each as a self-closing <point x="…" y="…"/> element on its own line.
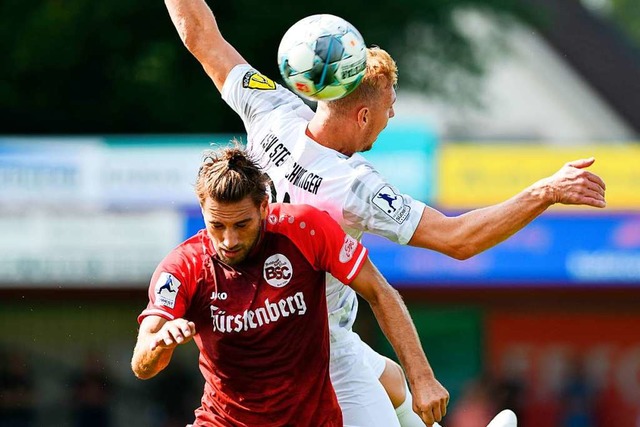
<point x="283" y="215"/>
<point x="245" y="84"/>
<point x="186" y="259"/>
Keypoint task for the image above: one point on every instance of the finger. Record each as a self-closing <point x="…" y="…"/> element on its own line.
<point x="427" y="417"/>
<point x="595" y="178"/>
<point x="192" y="327"/>
<point x="592" y="192"/>
<point x="596" y="202"/>
<point x="595" y="187"/>
<point x="186" y="330"/>
<point x="582" y="163"/>
<point x="437" y="415"/>
<point x="154" y="344"/>
<point x="169" y="340"/>
<point x="443" y="407"/>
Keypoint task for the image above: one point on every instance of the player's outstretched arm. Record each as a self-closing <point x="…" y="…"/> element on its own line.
<point x="469" y="234"/>
<point x="199" y="32"/>
<point x="157" y="339"/>
<point x="430" y="398"/>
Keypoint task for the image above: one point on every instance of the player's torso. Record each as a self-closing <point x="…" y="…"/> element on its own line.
<point x="263" y="325"/>
<point x="304" y="172"/>
<point x="301" y="170"/>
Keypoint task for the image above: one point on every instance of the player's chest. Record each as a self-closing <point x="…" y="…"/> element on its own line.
<point x="275" y="278"/>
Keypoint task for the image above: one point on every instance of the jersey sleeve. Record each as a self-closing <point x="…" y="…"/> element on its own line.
<point x="170" y="288"/>
<point x="323" y="242"/>
<point x="375" y="206"/>
<point x="253" y="96"/>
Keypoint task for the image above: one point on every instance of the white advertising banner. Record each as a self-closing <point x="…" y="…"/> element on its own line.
<point x="46" y="249"/>
<point x="97" y="172"/>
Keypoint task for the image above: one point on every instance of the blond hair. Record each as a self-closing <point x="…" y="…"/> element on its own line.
<point x="381" y="73"/>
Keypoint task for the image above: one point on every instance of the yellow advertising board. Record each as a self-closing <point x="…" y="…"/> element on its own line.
<point x="479" y="174"/>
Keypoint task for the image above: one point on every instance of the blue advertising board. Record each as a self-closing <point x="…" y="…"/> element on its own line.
<point x="557" y="249"/>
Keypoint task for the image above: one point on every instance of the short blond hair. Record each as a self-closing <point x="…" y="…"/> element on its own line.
<point x="381" y="73"/>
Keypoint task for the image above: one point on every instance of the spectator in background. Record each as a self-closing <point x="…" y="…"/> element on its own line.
<point x="17" y="398"/>
<point x="91" y="394"/>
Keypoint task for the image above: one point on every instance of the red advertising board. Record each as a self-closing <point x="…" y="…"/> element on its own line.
<point x="570" y="368"/>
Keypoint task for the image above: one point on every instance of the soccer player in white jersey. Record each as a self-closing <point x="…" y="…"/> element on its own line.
<point x="312" y="158"/>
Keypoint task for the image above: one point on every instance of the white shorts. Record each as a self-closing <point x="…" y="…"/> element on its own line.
<point x="355" y="372"/>
<point x="374" y="359"/>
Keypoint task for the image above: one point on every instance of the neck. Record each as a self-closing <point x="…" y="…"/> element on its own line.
<point x="332" y="131"/>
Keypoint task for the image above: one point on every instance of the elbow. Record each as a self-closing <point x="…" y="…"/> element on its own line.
<point x="458" y="252"/>
<point x="461" y="253"/>
<point x="142" y="375"/>
<point x="141" y="372"/>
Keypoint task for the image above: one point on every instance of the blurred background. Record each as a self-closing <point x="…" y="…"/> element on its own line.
<point x="103" y="119"/>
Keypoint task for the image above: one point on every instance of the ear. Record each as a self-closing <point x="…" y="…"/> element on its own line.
<point x="202" y="207"/>
<point x="264" y="208"/>
<point x="363" y="117"/>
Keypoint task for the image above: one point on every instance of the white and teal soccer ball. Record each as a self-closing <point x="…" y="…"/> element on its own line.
<point x="322" y="57"/>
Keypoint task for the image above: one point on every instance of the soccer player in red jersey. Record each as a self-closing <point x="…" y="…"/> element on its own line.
<point x="250" y="291"/>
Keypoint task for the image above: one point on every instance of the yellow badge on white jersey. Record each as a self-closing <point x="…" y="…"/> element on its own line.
<point x="255" y="80"/>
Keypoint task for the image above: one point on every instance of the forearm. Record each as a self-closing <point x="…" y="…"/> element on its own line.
<point x="199" y="32"/>
<point x="469" y="234"/>
<point x="395" y="322"/>
<point x="194" y="22"/>
<point x="147" y="363"/>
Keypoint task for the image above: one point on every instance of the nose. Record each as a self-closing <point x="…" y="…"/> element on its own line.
<point x="392" y="113"/>
<point x="230" y="238"/>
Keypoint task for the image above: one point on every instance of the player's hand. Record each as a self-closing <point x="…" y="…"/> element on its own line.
<point x="173" y="333"/>
<point x="574" y="185"/>
<point x="430" y="400"/>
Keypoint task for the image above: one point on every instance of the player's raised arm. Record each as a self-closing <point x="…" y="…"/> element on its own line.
<point x="430" y="398"/>
<point x="199" y="32"/>
<point x="157" y="338"/>
<point x="466" y="235"/>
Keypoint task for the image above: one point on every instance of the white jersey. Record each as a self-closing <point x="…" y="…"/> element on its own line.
<point x="305" y="172"/>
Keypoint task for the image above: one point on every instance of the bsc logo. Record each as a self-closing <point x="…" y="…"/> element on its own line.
<point x="277" y="270"/>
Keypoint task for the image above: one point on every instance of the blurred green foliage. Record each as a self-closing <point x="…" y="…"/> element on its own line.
<point x="626" y="13"/>
<point x="81" y="66"/>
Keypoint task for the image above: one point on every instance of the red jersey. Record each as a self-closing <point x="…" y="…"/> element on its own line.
<point x="261" y="325"/>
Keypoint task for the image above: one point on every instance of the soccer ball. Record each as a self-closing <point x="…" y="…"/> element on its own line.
<point x="322" y="57"/>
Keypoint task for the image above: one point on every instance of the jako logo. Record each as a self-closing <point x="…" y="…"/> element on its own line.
<point x="277" y="270"/>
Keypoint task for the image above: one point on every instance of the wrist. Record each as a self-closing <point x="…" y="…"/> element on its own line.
<point x="420" y="377"/>
<point x="544" y="192"/>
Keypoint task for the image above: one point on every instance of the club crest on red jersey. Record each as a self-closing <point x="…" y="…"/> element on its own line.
<point x="277" y="270"/>
<point x="348" y="249"/>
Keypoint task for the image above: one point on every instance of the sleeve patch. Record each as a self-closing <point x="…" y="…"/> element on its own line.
<point x="348" y="249"/>
<point x="166" y="290"/>
<point x="255" y="80"/>
<point x="391" y="204"/>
